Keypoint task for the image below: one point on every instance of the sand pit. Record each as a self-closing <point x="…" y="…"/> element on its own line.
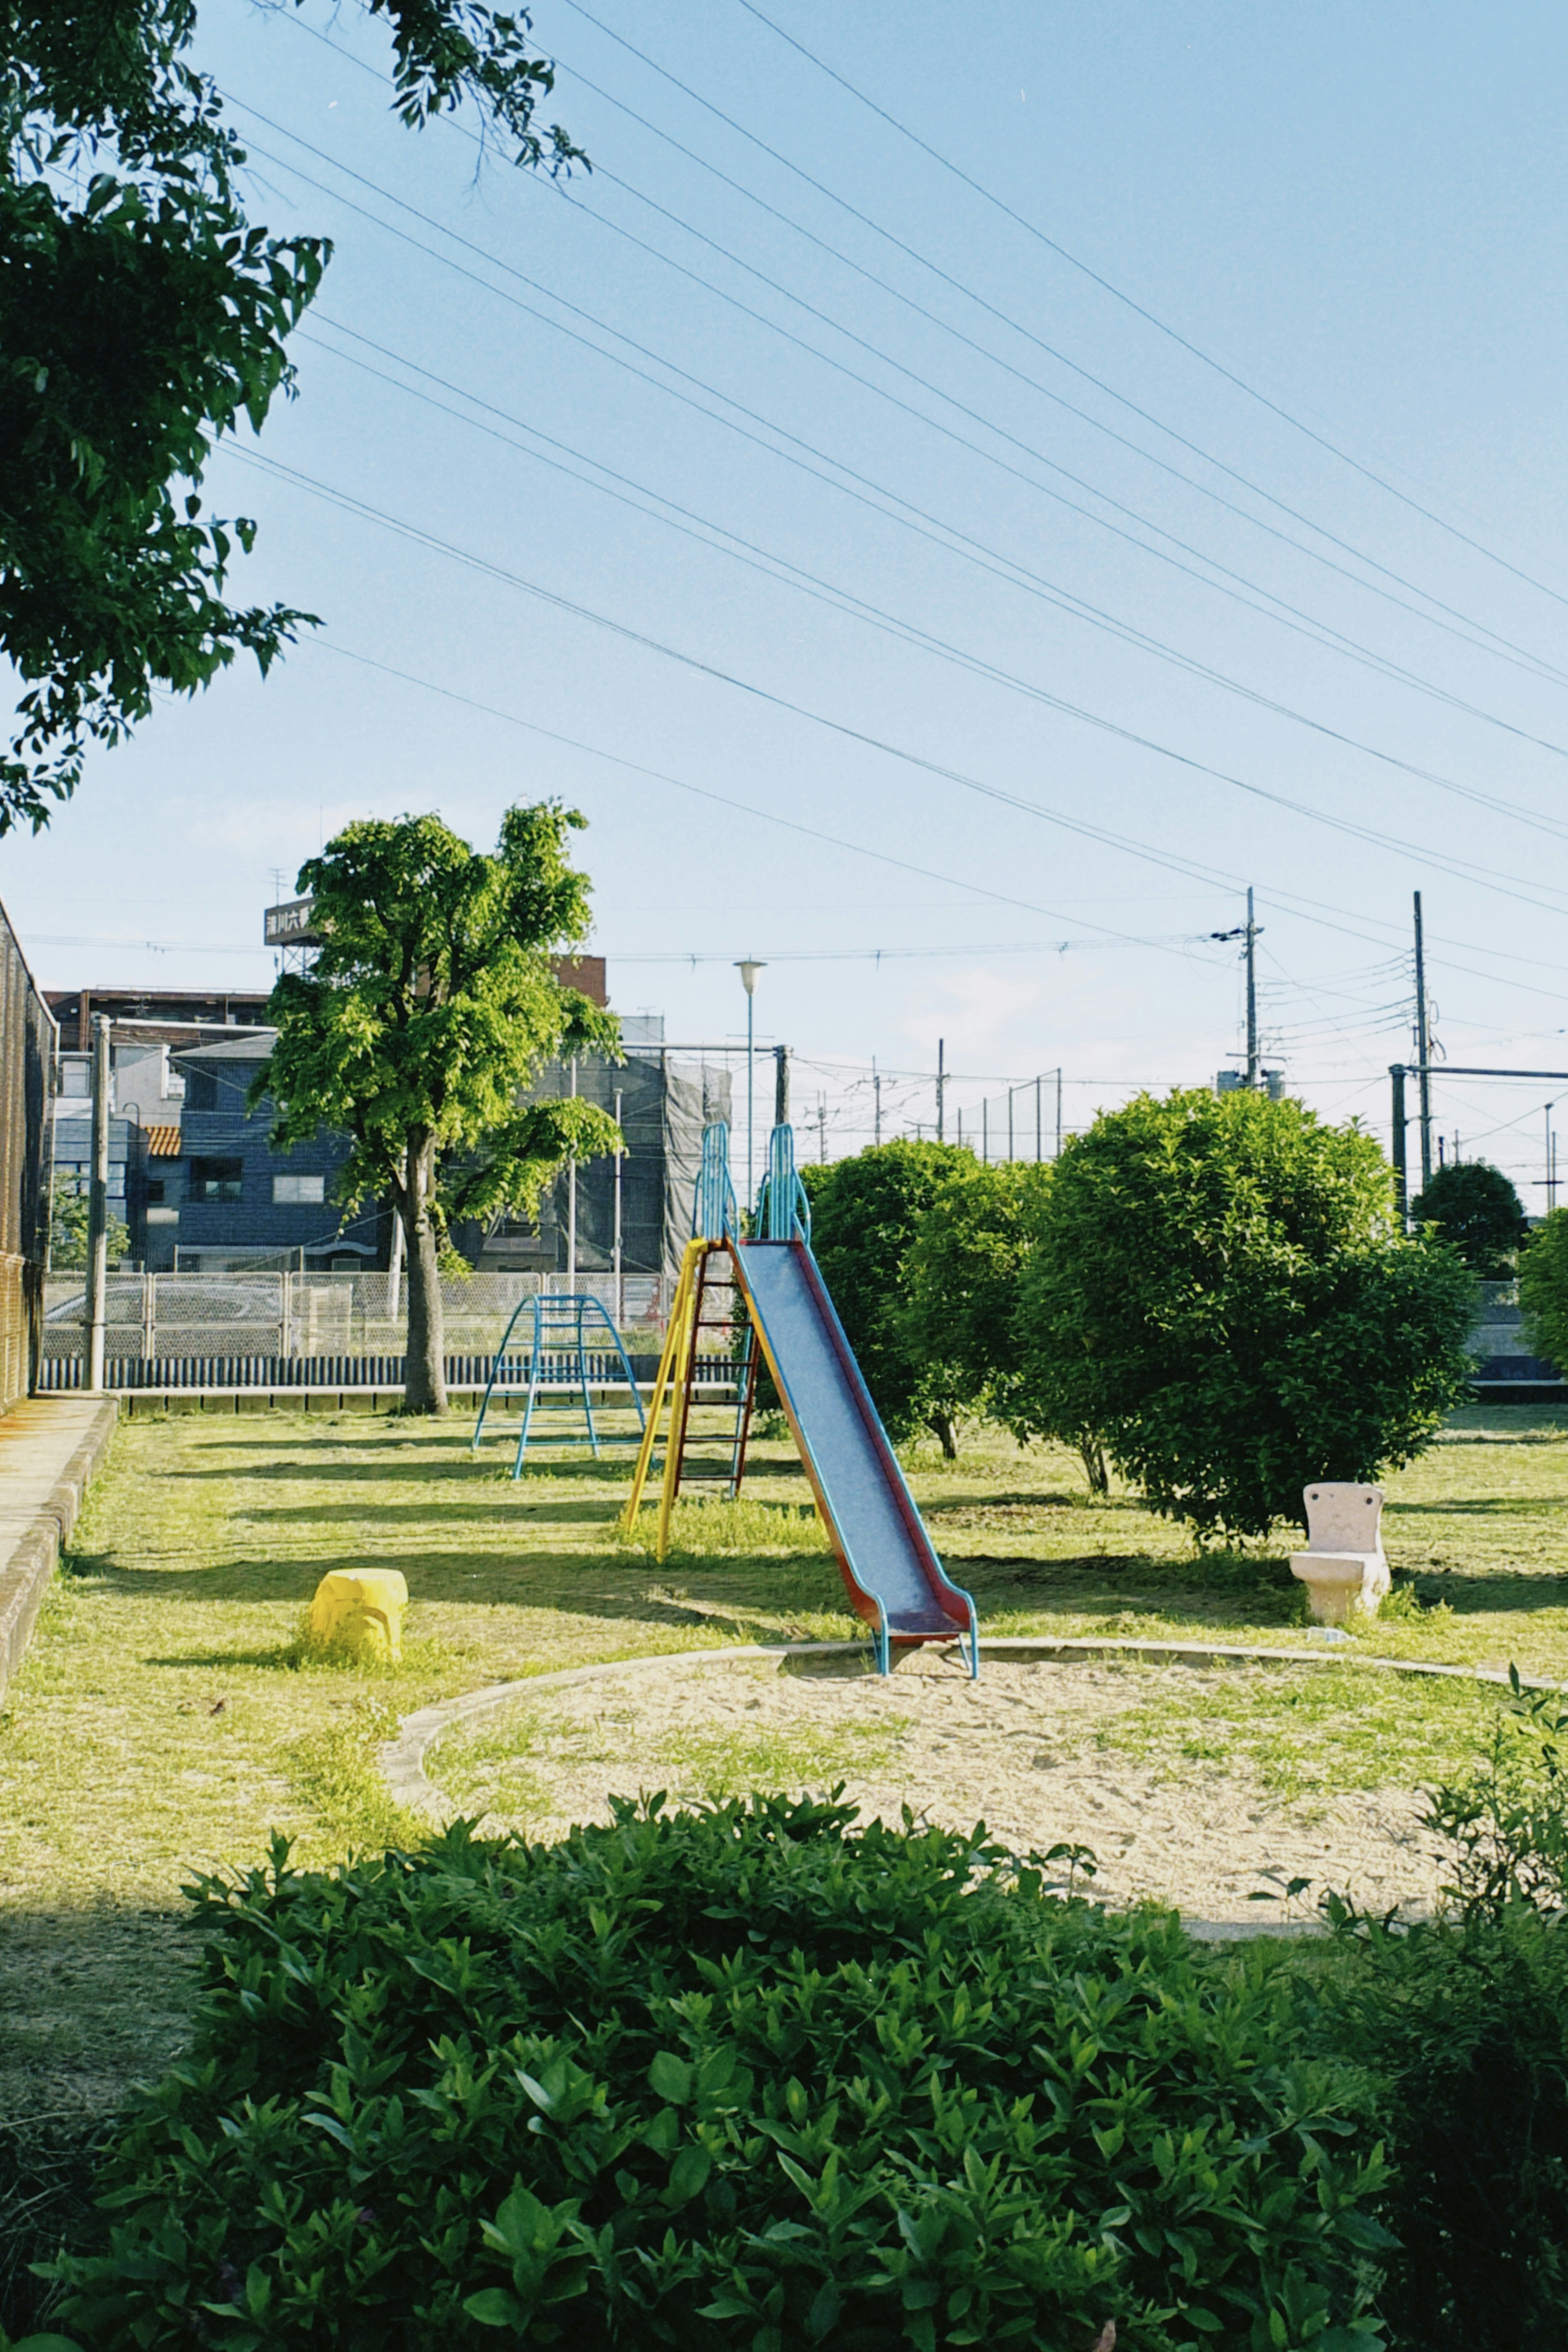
<point x="1017" y="1749"/>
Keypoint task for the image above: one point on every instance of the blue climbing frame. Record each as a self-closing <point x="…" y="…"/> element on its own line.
<point x="565" y="1329"/>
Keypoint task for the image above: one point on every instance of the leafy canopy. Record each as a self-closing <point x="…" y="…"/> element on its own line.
<point x="751" y="2079"/>
<point x="143" y="316"/>
<point x="1476" y="1208"/>
<point x="961" y="1277"/>
<point x="1219" y="1289"/>
<point x="864" y="1215"/>
<point x="1543" y="1286"/>
<point x="432" y="1004"/>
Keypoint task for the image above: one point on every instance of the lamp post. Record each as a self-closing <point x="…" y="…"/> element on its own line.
<point x="748" y="969"/>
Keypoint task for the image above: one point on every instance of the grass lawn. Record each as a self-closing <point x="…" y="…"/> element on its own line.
<point x="163" y="1721"/>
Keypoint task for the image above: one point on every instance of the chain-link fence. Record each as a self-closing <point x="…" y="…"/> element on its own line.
<point x="280" y="1318"/>
<point x="1025" y="1123"/>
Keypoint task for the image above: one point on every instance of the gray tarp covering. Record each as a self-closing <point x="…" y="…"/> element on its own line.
<point x="695" y="1095"/>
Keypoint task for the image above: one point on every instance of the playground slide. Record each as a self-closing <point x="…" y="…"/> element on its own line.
<point x="895" y="1579"/>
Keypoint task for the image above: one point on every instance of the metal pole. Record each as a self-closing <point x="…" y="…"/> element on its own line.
<point x="571" y="1202"/>
<point x="1058" y="1111"/>
<point x="822" y="1131"/>
<point x="98" y="1206"/>
<point x="1251" y="993"/>
<point x="1009" y="1126"/>
<point x="620" y="1279"/>
<point x="748" y="969"/>
<point x="395" y="1268"/>
<point x="1550" y="1180"/>
<point x="984" y="1132"/>
<point x="877" y="1096"/>
<point x="1401" y="1173"/>
<point x="1038" y="1131"/>
<point x="1424" y="1050"/>
<point x="941" y="1085"/>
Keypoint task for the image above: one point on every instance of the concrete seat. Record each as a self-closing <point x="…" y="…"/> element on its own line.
<point x="1344" y="1567"/>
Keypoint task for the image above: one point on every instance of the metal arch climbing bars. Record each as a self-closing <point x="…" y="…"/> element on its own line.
<point x="566" y="1317"/>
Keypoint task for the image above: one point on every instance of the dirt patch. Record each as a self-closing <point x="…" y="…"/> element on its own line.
<point x="1016" y="1749"/>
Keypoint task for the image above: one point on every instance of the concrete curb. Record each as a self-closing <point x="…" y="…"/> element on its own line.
<point x="402" y="1760"/>
<point x="24" y="1576"/>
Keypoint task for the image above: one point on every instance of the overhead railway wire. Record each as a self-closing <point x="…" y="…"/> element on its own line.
<point x="1150" y="317"/>
<point x="1308" y="909"/>
<point x="1507" y="886"/>
<point x="775" y="566"/>
<point x="963" y="288"/>
<point x="1519" y="657"/>
<point x="1303" y="624"/>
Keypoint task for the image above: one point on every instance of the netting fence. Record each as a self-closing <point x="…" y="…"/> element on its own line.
<point x="244" y="1330"/>
<point x="1025" y="1123"/>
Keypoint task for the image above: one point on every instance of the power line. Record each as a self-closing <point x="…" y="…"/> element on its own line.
<point x="416" y="533"/>
<point x="1286" y="615"/>
<point x="1150" y="317"/>
<point x="959" y="286"/>
<point x="846" y="600"/>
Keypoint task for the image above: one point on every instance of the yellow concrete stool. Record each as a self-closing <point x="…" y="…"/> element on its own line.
<point x="361" y="1614"/>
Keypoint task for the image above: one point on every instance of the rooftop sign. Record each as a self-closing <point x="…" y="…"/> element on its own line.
<point x="289" y="926"/>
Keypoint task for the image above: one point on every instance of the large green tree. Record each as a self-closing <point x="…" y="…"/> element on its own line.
<point x="1473" y="1205"/>
<point x="1218" y="1287"/>
<point x="865" y="1215"/>
<point x="1543" y="1287"/>
<point x="143" y="316"/>
<point x="432" y="1006"/>
<point x="961" y="1271"/>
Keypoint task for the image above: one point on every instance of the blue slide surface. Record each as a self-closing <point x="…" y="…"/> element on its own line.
<point x="896" y="1581"/>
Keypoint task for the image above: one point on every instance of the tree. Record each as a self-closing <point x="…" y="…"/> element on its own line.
<point x="141" y="316"/>
<point x="68" y="1223"/>
<point x="1543" y="1286"/>
<point x="1219" y="1287"/>
<point x="962" y="1270"/>
<point x="865" y="1214"/>
<point x="432" y="1004"/>
<point x="1476" y="1208"/>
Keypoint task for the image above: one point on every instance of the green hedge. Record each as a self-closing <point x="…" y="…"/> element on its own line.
<point x="749" y="2076"/>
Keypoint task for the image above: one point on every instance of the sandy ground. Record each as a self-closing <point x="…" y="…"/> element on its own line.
<point x="1014" y="1749"/>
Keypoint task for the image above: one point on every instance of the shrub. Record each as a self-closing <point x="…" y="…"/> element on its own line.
<point x="1218" y="1288"/>
<point x="865" y="1214"/>
<point x="748" y="2076"/>
<point x="1474" y="1207"/>
<point x="1543" y="1286"/>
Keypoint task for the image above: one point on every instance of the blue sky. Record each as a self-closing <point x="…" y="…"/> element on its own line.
<point x="1031" y="687"/>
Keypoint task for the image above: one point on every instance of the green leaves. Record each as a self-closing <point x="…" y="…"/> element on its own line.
<point x="752" y="2073"/>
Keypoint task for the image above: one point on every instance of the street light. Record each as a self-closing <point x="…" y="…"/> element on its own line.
<point x="748" y="969"/>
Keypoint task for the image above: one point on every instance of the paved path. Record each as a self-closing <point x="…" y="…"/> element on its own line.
<point x="49" y="1449"/>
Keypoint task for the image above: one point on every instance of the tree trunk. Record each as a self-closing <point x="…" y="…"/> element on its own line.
<point x="1096" y="1469"/>
<point x="947" y="1434"/>
<point x="424" y="1368"/>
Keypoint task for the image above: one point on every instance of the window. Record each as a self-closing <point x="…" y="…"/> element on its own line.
<point x="215" y="1179"/>
<point x="155" y="1190"/>
<point x="292" y="1190"/>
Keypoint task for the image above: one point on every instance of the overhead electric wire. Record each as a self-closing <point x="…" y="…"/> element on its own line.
<point x="1004" y="317"/>
<point x="1507" y="886"/>
<point x="1319" y="632"/>
<point x="1518" y="655"/>
<point x="1150" y="317"/>
<point x="846" y="600"/>
<point x="1533" y="664"/>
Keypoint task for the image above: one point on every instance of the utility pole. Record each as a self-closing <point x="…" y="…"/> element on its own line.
<point x="1401" y="1171"/>
<point x="1252" y="1064"/>
<point x="1551" y="1162"/>
<point x="876" y="1101"/>
<point x="98" y="1206"/>
<point x="780" y="1085"/>
<point x="571" y="1203"/>
<point x="1250" y="932"/>
<point x="619" y="1276"/>
<point x="1059" y="1110"/>
<point x="1423" y="1050"/>
<point x="822" y="1131"/>
<point x="941" y="1085"/>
